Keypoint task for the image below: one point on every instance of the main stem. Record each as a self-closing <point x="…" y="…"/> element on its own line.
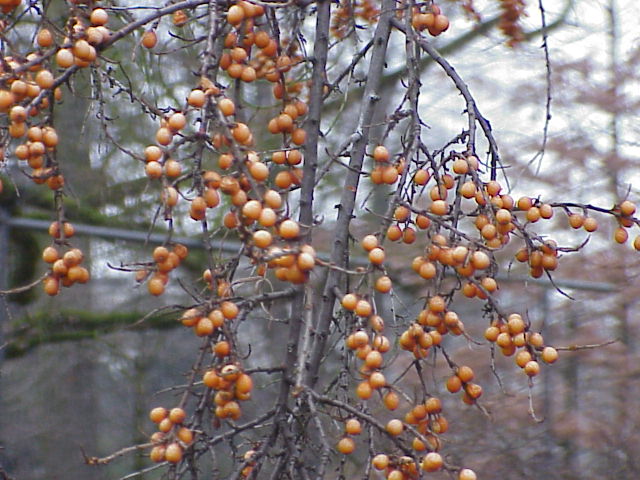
<point x="312" y="128"/>
<point x="349" y="191"/>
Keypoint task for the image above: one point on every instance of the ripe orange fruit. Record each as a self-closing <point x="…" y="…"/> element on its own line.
<point x="204" y="327"/>
<point x="549" y="354"/>
<point x="439" y="207"/>
<point x="373" y="359"/>
<point x="149" y="39"/>
<point x="421" y="177"/>
<point x="394" y="232"/>
<point x="454" y="384"/>
<point x="391" y="400"/>
<point x="437" y="304"/>
<point x="590" y="224"/>
<point x="395" y="475"/>
<point x="427" y="270"/>
<point x="423" y="222"/>
<point x="467" y="474"/>
<point x="408" y="235"/>
<point x="364" y="390"/>
<point x="473" y="390"/>
<point x="346" y="445"/>
<point x="222" y="348"/>
<point x="289" y="229"/>
<point x="381" y="154"/>
<point x="164" y="136"/>
<point x="620" y="235"/>
<point x="177" y="415"/>
<point x="383" y="284"/>
<point x="627" y="208"/>
<point x="515" y="324"/>
<point x="64" y="58"/>
<point x="44" y="38"/>
<point x="155" y="285"/>
<point x="50" y="254"/>
<point x="380" y="461"/>
<point x="177" y="121"/>
<point x="377" y="256"/>
<point x="389" y="175"/>
<point x="363" y="308"/>
<point x="352" y="426"/>
<point x="229" y="309"/>
<point x="432" y="462"/>
<point x="465" y="373"/>
<point x="157" y="453"/>
<point x="433" y="405"/>
<point x="377" y="380"/>
<point x="196" y="98"/>
<point x="173" y="453"/>
<point x="394" y="427"/>
<point x="532" y="368"/>
<point x="157" y="414"/>
<point x="185" y="435"/>
<point x="360" y="338"/>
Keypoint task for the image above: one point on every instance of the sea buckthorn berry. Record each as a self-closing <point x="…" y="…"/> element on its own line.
<point x="353" y="426"/>
<point x="380" y="461"/>
<point x="346" y="445"/>
<point x="467" y="474"/>
<point x="549" y="355"/>
<point x="394" y="427"/>
<point x="432" y="462"/>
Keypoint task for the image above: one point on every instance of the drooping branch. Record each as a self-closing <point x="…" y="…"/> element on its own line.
<point x="472" y="109"/>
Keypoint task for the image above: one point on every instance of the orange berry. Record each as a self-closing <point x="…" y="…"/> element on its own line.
<point x="394" y="427"/>
<point x="229" y="309"/>
<point x="621" y="235"/>
<point x="44" y="38"/>
<point x="156" y="415"/>
<point x="289" y="229"/>
<point x="235" y="15"/>
<point x="155" y="285"/>
<point x="383" y="284"/>
<point x="185" y="435"/>
<point x="364" y="390"/>
<point x="149" y="39"/>
<point x="157" y="453"/>
<point x="377" y="380"/>
<point x="391" y="400"/>
<point x="173" y="453"/>
<point x="196" y="98"/>
<point x="377" y="256"/>
<point x="549" y="355"/>
<point x="627" y="208"/>
<point x="532" y="368"/>
<point x="380" y="461"/>
<point x="439" y="207"/>
<point x="465" y="373"/>
<point x="454" y="384"/>
<point x="590" y="224"/>
<point x="394" y="232"/>
<point x="363" y="308"/>
<point x="467" y="474"/>
<point x="432" y="462"/>
<point x="346" y="445"/>
<point x="177" y="415"/>
<point x="352" y="426"/>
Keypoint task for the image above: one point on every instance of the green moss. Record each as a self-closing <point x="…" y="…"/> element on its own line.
<point x="46" y="327"/>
